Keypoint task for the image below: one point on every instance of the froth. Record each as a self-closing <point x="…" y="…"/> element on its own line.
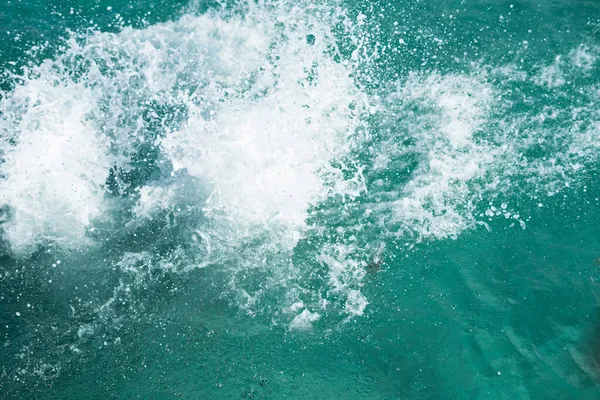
<point x="252" y="105"/>
<point x="55" y="166"/>
<point x="265" y="158"/>
<point x="250" y="120"/>
<point x="435" y="201"/>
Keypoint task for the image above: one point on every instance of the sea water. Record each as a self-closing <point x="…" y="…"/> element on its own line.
<point x="303" y="200"/>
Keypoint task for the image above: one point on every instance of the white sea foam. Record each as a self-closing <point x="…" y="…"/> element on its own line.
<point x="266" y="112"/>
<point x="304" y="320"/>
<point x="346" y="274"/>
<point x="54" y="174"/>
<point x="259" y="107"/>
<point x="552" y="75"/>
<point x="436" y="201"/>
<point x="584" y="57"/>
<point x="566" y="67"/>
<point x="153" y="199"/>
<point x="356" y="303"/>
<point x="265" y="152"/>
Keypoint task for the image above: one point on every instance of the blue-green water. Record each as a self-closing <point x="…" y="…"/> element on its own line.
<point x="355" y="200"/>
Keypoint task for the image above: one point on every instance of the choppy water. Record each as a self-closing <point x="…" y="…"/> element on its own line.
<point x="357" y="200"/>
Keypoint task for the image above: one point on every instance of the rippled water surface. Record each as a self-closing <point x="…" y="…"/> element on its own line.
<point x="304" y="200"/>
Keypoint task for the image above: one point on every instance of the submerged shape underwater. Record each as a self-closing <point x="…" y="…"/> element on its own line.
<point x="307" y="200"/>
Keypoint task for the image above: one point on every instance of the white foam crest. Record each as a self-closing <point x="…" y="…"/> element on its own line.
<point x="265" y="154"/>
<point x="262" y="134"/>
<point x="54" y="174"/>
<point x="585" y="145"/>
<point x="356" y="303"/>
<point x="204" y="49"/>
<point x="584" y="57"/>
<point x="266" y="111"/>
<point x="564" y="68"/>
<point x="346" y="274"/>
<point x="585" y="142"/>
<point x="304" y="320"/>
<point x="153" y="199"/>
<point x="436" y="201"/>
<point x="560" y="139"/>
<point x="552" y="75"/>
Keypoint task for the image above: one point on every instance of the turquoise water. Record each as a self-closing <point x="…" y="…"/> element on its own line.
<point x="355" y="200"/>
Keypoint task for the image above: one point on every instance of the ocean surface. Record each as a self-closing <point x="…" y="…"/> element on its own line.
<point x="298" y="199"/>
